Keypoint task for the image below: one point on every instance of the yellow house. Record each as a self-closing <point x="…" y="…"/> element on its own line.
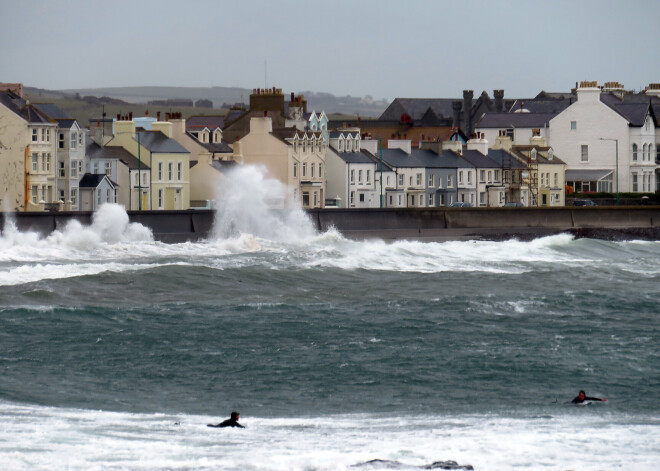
<point x="168" y="160"/>
<point x="547" y="172"/>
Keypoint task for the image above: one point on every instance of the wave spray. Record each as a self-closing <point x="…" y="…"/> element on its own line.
<point x="252" y="203"/>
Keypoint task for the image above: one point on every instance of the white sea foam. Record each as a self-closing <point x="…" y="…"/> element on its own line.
<point x="252" y="203"/>
<point x="285" y="238"/>
<point x="35" y="437"/>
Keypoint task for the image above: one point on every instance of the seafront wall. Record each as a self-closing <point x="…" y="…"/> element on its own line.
<point x="633" y="222"/>
<point x="167" y="226"/>
<point x="492" y="223"/>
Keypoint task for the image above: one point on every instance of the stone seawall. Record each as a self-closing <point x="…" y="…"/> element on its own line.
<point x="633" y="222"/>
<point x="167" y="226"/>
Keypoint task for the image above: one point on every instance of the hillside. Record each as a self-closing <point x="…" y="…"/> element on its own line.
<point x="327" y="102"/>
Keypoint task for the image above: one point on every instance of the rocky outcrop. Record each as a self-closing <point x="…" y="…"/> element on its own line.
<point x="388" y="464"/>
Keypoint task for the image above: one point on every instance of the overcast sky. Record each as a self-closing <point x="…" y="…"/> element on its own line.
<point x="383" y="48"/>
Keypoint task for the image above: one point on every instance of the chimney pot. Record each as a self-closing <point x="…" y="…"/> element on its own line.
<point x="130" y="116"/>
<point x="158" y="115"/>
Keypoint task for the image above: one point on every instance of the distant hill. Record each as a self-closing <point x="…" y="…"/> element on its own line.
<point x="364" y="106"/>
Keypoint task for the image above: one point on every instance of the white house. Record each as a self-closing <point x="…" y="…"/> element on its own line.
<point x="353" y="173"/>
<point x="608" y="141"/>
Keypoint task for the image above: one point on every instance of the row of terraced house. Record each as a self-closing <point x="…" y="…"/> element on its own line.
<point x="419" y="153"/>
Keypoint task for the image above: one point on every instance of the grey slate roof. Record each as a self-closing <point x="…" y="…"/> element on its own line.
<point x="501" y="156"/>
<point x="214" y="147"/>
<point x="479" y="160"/>
<point x="634" y="112"/>
<point x="376" y="159"/>
<point x="92" y="180"/>
<point x="65" y="123"/>
<point x="417" y="107"/>
<point x="586" y="175"/>
<point x="95" y="151"/>
<point x="354" y="157"/>
<point x="424" y="159"/>
<point x="201" y="122"/>
<point x="19" y="106"/>
<point x="156" y="141"/>
<point x="525" y="150"/>
<point x="515" y="120"/>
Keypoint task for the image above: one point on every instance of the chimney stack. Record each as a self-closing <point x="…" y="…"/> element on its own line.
<point x="467" y="111"/>
<point x="456" y="107"/>
<point x="499" y="100"/>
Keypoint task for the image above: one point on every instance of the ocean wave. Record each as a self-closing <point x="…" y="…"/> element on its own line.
<point x="38" y="437"/>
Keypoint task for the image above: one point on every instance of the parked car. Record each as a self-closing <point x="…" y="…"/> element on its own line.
<point x="583" y="203"/>
<point x="514" y="204"/>
<point x="460" y="204"/>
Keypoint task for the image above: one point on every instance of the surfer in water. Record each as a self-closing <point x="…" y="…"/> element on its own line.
<point x="230" y="422"/>
<point x="582" y="398"/>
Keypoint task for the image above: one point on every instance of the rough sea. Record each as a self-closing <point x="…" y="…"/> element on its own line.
<point x="116" y="350"/>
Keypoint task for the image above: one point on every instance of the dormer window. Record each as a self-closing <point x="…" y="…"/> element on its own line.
<point x="341" y="145"/>
<point x="551" y="154"/>
<point x="533" y="155"/>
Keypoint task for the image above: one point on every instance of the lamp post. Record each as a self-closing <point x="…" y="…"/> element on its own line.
<point x="616" y="142"/>
<point x="139" y="174"/>
<point x="380" y="148"/>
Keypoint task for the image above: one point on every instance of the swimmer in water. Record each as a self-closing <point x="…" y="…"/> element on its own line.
<point x="230" y="422"/>
<point x="582" y="398"/>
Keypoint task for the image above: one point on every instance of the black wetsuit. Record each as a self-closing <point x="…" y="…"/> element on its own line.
<point x="586" y="398"/>
<point x="228" y="423"/>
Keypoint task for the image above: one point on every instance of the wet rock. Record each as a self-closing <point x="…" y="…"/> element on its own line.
<point x="448" y="465"/>
<point x="388" y="464"/>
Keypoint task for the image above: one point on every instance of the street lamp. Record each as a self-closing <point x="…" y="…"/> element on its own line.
<point x="380" y="146"/>
<point x="616" y="142"/>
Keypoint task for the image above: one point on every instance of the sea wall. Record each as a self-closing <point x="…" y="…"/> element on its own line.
<point x="167" y="226"/>
<point x="634" y="222"/>
<point x="492" y="223"/>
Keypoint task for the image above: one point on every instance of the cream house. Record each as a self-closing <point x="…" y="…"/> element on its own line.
<point x="294" y="157"/>
<point x="28" y="151"/>
<point x="207" y="149"/>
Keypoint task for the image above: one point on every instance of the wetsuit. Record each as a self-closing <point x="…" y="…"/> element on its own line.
<point x="228" y="423"/>
<point x="586" y="398"/>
